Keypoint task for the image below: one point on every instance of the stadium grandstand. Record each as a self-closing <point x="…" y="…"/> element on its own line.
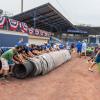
<point x="37" y="24"/>
<point x="90" y="29"/>
<point x="81" y="32"/>
<point x="45" y="17"/>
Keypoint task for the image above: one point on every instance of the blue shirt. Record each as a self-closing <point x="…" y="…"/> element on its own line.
<point x="44" y="47"/>
<point x="79" y="45"/>
<point x="48" y="46"/>
<point x="61" y="46"/>
<point x="19" y="43"/>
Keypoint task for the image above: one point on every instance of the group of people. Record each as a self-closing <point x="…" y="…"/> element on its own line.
<point x="19" y="54"/>
<point x="94" y="57"/>
<point x="22" y="52"/>
<point x="81" y="48"/>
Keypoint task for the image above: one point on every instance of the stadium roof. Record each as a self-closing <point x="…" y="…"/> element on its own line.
<point x="45" y="17"/>
<point x="90" y="30"/>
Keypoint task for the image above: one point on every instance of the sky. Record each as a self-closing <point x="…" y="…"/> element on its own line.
<point x="77" y="11"/>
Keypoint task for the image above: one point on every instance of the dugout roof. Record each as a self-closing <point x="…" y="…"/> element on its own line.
<point x="45" y="17"/>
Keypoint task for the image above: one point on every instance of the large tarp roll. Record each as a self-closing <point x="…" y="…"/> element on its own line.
<point x="42" y="64"/>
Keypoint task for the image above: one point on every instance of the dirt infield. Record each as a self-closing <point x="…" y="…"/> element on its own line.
<point x="71" y="81"/>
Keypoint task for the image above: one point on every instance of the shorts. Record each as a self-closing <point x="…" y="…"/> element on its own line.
<point x="10" y="62"/>
<point x="79" y="51"/>
<point x="5" y="65"/>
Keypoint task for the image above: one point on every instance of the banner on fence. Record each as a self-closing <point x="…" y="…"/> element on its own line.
<point x="45" y="33"/>
<point x="2" y="21"/>
<point x="31" y="31"/>
<point x="41" y="33"/>
<point x="37" y="32"/>
<point x="23" y="27"/>
<point x="13" y="24"/>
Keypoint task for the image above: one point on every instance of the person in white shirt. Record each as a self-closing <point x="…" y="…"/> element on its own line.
<point x="84" y="47"/>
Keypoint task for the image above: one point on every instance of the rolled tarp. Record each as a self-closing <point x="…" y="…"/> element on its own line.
<point x="42" y="64"/>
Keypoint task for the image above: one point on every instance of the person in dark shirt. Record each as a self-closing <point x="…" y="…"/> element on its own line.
<point x="72" y="47"/>
<point x="27" y="51"/>
<point x="97" y="60"/>
<point x="93" y="55"/>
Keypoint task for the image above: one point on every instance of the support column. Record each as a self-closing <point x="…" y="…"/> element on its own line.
<point x="21" y="6"/>
<point x="34" y="19"/>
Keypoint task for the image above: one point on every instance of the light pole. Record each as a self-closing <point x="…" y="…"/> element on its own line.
<point x="21" y="6"/>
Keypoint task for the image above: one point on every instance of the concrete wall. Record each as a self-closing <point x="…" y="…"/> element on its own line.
<point x="10" y="38"/>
